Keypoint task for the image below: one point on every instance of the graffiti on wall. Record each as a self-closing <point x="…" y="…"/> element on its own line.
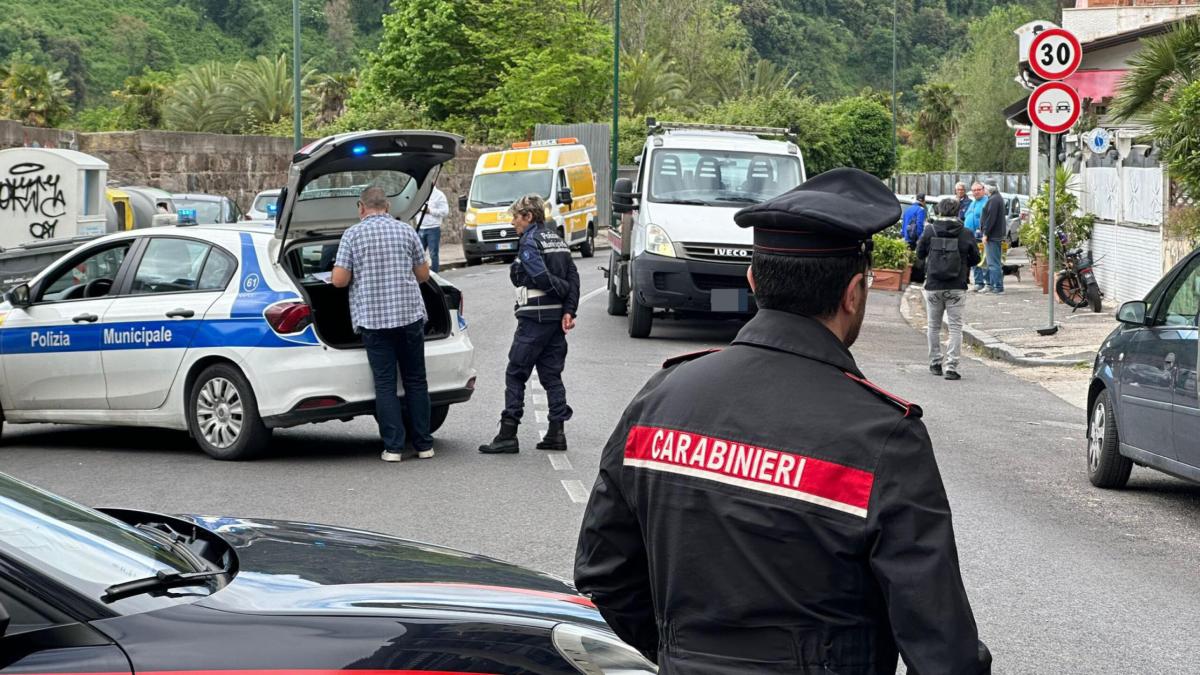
<point x="28" y="190"/>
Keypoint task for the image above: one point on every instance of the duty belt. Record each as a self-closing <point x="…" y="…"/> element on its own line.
<point x="525" y="294"/>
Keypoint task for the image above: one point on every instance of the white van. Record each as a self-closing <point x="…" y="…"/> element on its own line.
<point x="680" y="251"/>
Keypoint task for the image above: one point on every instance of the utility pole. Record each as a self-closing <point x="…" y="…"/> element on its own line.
<point x="297" y="132"/>
<point x="894" y="151"/>
<point x="616" y="109"/>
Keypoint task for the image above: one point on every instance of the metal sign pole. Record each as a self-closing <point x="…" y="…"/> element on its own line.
<point x="1050" y="276"/>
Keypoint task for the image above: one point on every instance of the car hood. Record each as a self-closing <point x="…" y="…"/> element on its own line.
<point x="305" y="568"/>
<point x="688" y="223"/>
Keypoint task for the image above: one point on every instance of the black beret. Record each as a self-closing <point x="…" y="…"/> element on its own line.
<point x="832" y="214"/>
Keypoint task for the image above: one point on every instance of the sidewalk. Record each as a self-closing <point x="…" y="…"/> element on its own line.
<point x="1005" y="326"/>
<point x="452" y="257"/>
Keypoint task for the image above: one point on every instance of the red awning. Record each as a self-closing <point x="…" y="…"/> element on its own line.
<point x="1096" y="84"/>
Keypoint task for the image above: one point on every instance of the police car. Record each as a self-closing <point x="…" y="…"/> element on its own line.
<point x="228" y="331"/>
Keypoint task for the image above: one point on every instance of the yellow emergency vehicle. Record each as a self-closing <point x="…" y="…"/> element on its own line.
<point x="559" y="170"/>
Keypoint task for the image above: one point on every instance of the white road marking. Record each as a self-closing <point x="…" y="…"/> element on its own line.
<point x="593" y="294"/>
<point x="560" y="462"/>
<point x="539" y="398"/>
<point x="536" y="385"/>
<point x="541" y="415"/>
<point x="576" y="491"/>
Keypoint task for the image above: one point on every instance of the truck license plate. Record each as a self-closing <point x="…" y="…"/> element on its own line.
<point x="729" y="300"/>
<point x="505" y="247"/>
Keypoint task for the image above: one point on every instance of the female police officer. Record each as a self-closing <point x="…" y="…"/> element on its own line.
<point x="547" y="290"/>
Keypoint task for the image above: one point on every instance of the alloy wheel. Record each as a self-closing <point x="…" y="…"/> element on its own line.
<point x="219" y="412"/>
<point x="1096" y="438"/>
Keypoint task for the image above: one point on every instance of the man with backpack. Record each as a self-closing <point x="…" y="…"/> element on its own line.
<point x="949" y="252"/>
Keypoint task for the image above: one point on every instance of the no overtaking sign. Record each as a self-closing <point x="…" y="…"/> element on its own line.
<point x="1054" y="107"/>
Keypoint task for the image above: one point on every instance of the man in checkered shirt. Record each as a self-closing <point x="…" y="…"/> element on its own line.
<point x="382" y="261"/>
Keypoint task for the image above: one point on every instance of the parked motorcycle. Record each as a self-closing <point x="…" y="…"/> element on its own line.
<point x="1076" y="285"/>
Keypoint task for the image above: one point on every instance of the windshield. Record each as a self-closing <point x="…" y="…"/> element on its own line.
<point x="83" y="549"/>
<point x="206" y="213"/>
<point x="501" y="189"/>
<point x="721" y="178"/>
<point x="265" y="203"/>
<point x="352" y="184"/>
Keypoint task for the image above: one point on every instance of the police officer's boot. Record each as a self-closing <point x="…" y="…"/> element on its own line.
<point x="555" y="438"/>
<point x="506" y="441"/>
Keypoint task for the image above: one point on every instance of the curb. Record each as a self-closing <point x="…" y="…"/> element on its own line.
<point x="991" y="346"/>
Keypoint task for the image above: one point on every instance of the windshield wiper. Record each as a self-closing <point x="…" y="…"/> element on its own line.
<point x="689" y="202"/>
<point x="161" y="581"/>
<point x="740" y="200"/>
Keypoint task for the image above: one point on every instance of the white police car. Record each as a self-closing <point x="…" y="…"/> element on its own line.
<point x="228" y="331"/>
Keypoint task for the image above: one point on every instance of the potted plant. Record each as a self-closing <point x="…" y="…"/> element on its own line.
<point x="890" y="260"/>
<point x="1035" y="232"/>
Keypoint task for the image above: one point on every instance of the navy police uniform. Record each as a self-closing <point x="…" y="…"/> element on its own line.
<point x="804" y="529"/>
<point x="547" y="286"/>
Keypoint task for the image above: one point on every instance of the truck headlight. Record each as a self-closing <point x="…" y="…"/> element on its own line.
<point x="469" y="219"/>
<point x="658" y="243"/>
<point x="595" y="652"/>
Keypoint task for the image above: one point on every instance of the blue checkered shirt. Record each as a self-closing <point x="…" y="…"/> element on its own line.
<point x="381" y="252"/>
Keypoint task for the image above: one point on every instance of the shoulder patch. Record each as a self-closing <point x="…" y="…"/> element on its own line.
<point x="910" y="409"/>
<point x="682" y="358"/>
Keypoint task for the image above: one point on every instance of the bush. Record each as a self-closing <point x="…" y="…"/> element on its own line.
<point x="890" y="254"/>
<point x="1183" y="222"/>
<point x="1078" y="227"/>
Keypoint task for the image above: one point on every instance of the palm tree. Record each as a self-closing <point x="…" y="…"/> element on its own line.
<point x="264" y="87"/>
<point x="142" y="99"/>
<point x="203" y="100"/>
<point x="33" y="95"/>
<point x="935" y="121"/>
<point x="650" y="84"/>
<point x="757" y="78"/>
<point x="330" y="93"/>
<point x="1162" y="66"/>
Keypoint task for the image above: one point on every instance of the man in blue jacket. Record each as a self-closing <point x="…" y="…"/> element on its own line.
<point x="972" y="223"/>
<point x="913" y="222"/>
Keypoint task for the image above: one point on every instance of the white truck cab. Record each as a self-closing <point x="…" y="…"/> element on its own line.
<point x="678" y="249"/>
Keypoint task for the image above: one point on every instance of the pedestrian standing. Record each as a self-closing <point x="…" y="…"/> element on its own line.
<point x="964" y="201"/>
<point x="993" y="226"/>
<point x="547" y="290"/>
<point x="432" y="214"/>
<point x="972" y="223"/>
<point x="765" y="508"/>
<point x="913" y="222"/>
<point x="949" y="251"/>
<point x="381" y="260"/>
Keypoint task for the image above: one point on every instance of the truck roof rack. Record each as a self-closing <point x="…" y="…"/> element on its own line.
<point x="654" y="126"/>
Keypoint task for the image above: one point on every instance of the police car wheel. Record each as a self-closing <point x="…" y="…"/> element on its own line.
<point x="223" y="415"/>
<point x="1107" y="467"/>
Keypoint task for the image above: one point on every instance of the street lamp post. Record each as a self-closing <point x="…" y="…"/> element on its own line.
<point x="894" y="155"/>
<point x="296" y="113"/>
<point x="616" y="107"/>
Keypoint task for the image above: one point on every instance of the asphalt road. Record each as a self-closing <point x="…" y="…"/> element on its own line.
<point x="1064" y="578"/>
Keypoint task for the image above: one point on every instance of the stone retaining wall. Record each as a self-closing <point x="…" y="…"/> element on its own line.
<point x="235" y="166"/>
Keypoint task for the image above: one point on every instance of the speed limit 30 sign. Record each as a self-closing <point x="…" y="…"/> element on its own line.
<point x="1055" y="54"/>
<point x="1054" y="107"/>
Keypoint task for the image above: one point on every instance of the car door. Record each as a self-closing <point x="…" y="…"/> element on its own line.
<point x="1150" y="370"/>
<point x="51" y="349"/>
<point x="1183" y="308"/>
<point x="37" y="637"/>
<point x="150" y="325"/>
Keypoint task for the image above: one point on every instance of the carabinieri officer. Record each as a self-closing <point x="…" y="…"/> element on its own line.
<point x="547" y="290"/>
<point x="766" y="509"/>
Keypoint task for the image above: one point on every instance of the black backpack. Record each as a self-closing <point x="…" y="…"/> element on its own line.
<point x="945" y="261"/>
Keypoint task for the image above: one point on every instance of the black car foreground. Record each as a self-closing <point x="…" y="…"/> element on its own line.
<point x="117" y="591"/>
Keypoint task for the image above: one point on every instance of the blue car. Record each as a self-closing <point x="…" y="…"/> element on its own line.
<point x="1142" y="403"/>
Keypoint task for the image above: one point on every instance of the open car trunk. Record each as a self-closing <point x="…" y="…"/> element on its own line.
<point x="309" y="263"/>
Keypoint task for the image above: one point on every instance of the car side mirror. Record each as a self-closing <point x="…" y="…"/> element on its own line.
<point x="564" y="197"/>
<point x="19" y="296"/>
<point x="622" y="197"/>
<point x="462" y="203"/>
<point x="1132" y="313"/>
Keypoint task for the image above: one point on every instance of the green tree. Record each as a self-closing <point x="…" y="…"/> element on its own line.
<point x="329" y="94"/>
<point x="758" y="77"/>
<point x="264" y="87"/>
<point x="202" y="99"/>
<point x="863" y="129"/>
<point x="142" y="100"/>
<point x="936" y="120"/>
<point x="982" y="77"/>
<point x="1158" y="71"/>
<point x="1175" y="125"/>
<point x="33" y="95"/>
<point x="649" y="82"/>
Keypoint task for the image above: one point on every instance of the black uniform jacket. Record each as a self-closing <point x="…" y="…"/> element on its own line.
<point x="544" y="263"/>
<point x="765" y="509"/>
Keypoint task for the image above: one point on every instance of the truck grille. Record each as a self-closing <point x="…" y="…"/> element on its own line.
<point x="499" y="234"/>
<point x="708" y="282"/>
<point x="726" y="253"/>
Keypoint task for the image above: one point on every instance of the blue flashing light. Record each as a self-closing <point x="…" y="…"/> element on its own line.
<point x="272" y="208"/>
<point x="359" y="149"/>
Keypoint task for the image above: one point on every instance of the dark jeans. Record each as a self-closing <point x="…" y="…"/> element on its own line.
<point x="400" y="348"/>
<point x="994" y="266"/>
<point x="544" y="346"/>
<point x="431" y="239"/>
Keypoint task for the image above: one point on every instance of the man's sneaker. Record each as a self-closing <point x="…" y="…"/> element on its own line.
<point x="978" y="289"/>
<point x="389" y="456"/>
<point x="425" y="454"/>
<point x="936" y="370"/>
<point x="952" y="375"/>
<point x="997" y="292"/>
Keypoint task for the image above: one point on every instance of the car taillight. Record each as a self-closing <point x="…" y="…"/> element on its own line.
<point x="289" y="317"/>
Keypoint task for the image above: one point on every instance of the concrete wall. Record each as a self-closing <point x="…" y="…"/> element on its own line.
<point x="234" y="166"/>
<point x="1099" y="18"/>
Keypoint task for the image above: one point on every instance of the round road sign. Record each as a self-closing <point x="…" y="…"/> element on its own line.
<point x="1054" y="107"/>
<point x="1054" y="54"/>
